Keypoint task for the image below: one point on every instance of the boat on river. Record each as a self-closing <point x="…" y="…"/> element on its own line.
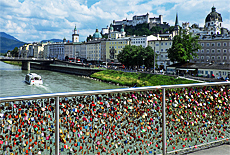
<point x="33" y="79"/>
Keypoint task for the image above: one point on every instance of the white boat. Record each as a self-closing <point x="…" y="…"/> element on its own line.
<point x="33" y="79"/>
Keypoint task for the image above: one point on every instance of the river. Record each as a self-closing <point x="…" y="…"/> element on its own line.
<point x="12" y="82"/>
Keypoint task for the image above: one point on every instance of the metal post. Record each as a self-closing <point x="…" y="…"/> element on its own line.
<point x="163" y="124"/>
<point x="57" y="126"/>
<point x="154" y="60"/>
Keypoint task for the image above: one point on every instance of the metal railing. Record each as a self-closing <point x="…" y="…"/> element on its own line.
<point x="148" y="96"/>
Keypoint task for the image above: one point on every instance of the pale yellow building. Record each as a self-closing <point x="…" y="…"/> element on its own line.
<point x="114" y="47"/>
<point x="160" y="46"/>
<point x="93" y="50"/>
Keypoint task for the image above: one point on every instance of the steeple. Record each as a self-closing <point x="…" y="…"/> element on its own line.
<point x="75" y="30"/>
<point x="75" y="35"/>
<point x="176" y="22"/>
<point x="177" y="26"/>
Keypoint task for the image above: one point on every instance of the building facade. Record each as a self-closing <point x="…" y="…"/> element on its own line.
<point x="160" y="47"/>
<point x="214" y="50"/>
<point x="114" y="47"/>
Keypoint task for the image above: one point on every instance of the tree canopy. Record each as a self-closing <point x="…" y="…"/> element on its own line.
<point x="132" y="56"/>
<point x="143" y="29"/>
<point x="14" y="52"/>
<point x="183" y="48"/>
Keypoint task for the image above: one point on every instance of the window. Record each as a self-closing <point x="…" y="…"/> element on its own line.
<point x="225" y="58"/>
<point x="202" y="57"/>
<point x="161" y="43"/>
<point x="157" y="51"/>
<point x="225" y="44"/>
<point x="206" y="72"/>
<point x="202" y="51"/>
<point x="218" y="44"/>
<point x="207" y="51"/>
<point x="225" y="51"/>
<point x="162" y="50"/>
<point x="218" y="57"/>
<point x="162" y="56"/>
<point x="166" y="50"/>
<point x="165" y="43"/>
<point x="202" y="44"/>
<point x="157" y="44"/>
<point x="213" y="51"/>
<point x="213" y="44"/>
<point x="218" y="51"/>
<point x="213" y="58"/>
<point x="166" y="56"/>
<point x="208" y="44"/>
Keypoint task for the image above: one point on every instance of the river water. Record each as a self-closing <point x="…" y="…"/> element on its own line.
<point x="12" y="82"/>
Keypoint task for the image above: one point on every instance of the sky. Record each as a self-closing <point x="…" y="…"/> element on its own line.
<point x="36" y="20"/>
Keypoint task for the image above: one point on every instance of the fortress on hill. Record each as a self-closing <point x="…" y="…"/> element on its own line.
<point x="155" y="21"/>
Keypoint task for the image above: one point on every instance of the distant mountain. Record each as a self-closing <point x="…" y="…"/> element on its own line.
<point x="52" y="40"/>
<point x="8" y="42"/>
<point x="5" y="35"/>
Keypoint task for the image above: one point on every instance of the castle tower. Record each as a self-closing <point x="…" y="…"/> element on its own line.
<point x="75" y="36"/>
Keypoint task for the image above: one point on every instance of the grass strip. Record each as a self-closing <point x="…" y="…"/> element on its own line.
<point x="17" y="63"/>
<point x="138" y="79"/>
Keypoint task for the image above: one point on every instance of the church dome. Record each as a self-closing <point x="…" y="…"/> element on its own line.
<point x="97" y="35"/>
<point x="111" y="27"/>
<point x="212" y="16"/>
<point x="122" y="29"/>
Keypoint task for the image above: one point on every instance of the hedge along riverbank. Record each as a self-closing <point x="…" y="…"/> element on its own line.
<point x="138" y="79"/>
<point x="18" y="63"/>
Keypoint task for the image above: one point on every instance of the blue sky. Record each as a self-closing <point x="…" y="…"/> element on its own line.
<point x="36" y="20"/>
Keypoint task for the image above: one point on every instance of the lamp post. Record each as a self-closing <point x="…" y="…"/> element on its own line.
<point x="143" y="63"/>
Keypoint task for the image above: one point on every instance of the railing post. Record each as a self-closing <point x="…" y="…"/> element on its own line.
<point x="163" y="124"/>
<point x="57" y="126"/>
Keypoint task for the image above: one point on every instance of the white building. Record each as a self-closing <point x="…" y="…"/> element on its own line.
<point x="160" y="46"/>
<point x="56" y="51"/>
<point x="142" y="40"/>
<point x="212" y="26"/>
<point x="116" y="34"/>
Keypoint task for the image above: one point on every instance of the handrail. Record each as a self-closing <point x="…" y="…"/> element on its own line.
<point x="57" y="96"/>
<point x="97" y="92"/>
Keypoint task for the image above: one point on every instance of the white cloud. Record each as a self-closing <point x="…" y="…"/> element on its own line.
<point x="34" y="20"/>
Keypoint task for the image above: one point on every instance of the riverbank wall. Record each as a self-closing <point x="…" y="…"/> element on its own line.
<point x="67" y="68"/>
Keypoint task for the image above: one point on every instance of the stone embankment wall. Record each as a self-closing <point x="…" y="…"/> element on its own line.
<point x="65" y="69"/>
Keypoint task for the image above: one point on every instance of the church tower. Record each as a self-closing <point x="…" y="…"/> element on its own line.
<point x="177" y="26"/>
<point x="75" y="36"/>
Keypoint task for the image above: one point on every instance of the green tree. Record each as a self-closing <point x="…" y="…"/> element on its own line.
<point x="89" y="38"/>
<point x="184" y="47"/>
<point x="125" y="56"/>
<point x="132" y="56"/>
<point x="14" y="52"/>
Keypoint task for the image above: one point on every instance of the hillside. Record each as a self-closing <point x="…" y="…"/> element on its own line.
<point x="52" y="40"/>
<point x="9" y="43"/>
<point x="143" y="29"/>
<point x="5" y="35"/>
